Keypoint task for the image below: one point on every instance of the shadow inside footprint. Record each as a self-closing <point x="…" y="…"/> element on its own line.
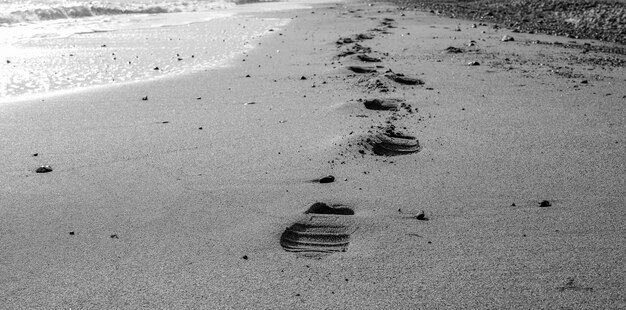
<point x="367" y="58"/>
<point x="383" y="104"/>
<point x="322" y="208"/>
<point x="362" y="69"/>
<point x="326" y="229"/>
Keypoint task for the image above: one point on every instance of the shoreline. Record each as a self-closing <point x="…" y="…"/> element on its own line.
<point x="182" y="200"/>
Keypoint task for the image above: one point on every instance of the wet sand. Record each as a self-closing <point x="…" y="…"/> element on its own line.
<point x="181" y="200"/>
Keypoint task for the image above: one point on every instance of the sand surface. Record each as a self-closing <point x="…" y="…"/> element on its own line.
<point x="179" y="201"/>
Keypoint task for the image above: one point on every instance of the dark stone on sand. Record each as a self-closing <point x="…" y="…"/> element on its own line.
<point x="327" y="179"/>
<point x="36" y="154"/>
<point x="43" y="169"/>
<point x="114" y="236"/>
<point x="245" y="257"/>
<point x="421" y="216"/>
<point x="584" y="82"/>
<point x="367" y="58"/>
<point x="362" y="69"/>
<point x="322" y="208"/>
<point x="362" y="36"/>
<point x="155" y="68"/>
<point x="71" y="233"/>
<point x="507" y="38"/>
<point x="303" y="78"/>
<point x="400" y="78"/>
<point x="453" y="50"/>
<point x="473" y="63"/>
<point x="545" y="204"/>
<point x="383" y="104"/>
<point x="247" y="75"/>
<point x="144" y="98"/>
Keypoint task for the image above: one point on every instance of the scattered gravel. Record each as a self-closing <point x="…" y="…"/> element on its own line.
<point x="603" y="20"/>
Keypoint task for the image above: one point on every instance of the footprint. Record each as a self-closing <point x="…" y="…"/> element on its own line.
<point x="400" y="78"/>
<point x="453" y="50"/>
<point x="325" y="229"/>
<point x="383" y="104"/>
<point x="367" y="58"/>
<point x="362" y="69"/>
<point x="392" y="143"/>
<point x="363" y="36"/>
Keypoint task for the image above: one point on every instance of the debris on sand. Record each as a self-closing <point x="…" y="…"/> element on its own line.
<point x="327" y="179"/>
<point x="44" y="169"/>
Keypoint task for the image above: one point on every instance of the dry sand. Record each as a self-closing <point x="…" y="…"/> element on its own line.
<point x="166" y="215"/>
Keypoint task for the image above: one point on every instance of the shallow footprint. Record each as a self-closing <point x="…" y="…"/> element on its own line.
<point x="400" y="78"/>
<point x="326" y="229"/>
<point x="367" y="58"/>
<point x="362" y="69"/>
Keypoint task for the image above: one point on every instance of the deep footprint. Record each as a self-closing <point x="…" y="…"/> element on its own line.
<point x="383" y="104"/>
<point x="392" y="144"/>
<point x="326" y="229"/>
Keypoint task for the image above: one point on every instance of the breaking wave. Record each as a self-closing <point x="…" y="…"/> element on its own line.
<point x="41" y="12"/>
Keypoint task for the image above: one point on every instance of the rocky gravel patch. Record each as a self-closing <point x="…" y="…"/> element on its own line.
<point x="603" y="20"/>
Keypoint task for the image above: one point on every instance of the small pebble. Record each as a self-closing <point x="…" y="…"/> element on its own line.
<point x="421" y="216"/>
<point x="44" y="169"/>
<point x="327" y="179"/>
<point x="507" y="38"/>
<point x="245" y="257"/>
<point x="545" y="203"/>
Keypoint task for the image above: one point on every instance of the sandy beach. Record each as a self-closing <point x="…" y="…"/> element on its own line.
<point x="181" y="200"/>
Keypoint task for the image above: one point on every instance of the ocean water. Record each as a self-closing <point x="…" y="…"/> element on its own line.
<point x="55" y="46"/>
